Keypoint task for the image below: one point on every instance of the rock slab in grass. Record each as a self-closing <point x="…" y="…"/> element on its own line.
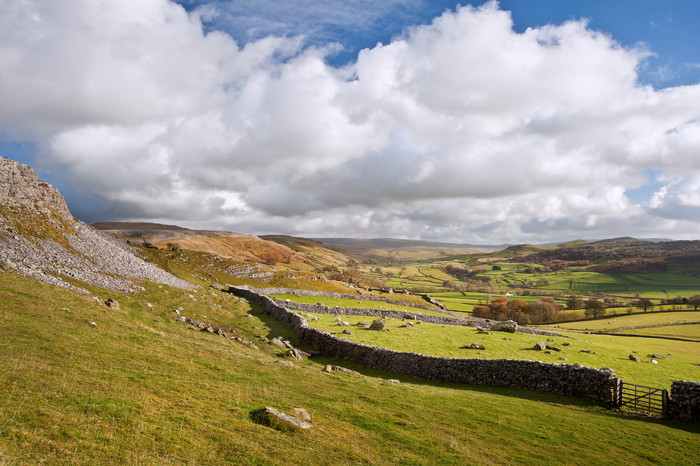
<point x="474" y="346"/>
<point x="506" y="326"/>
<point x="276" y="419"/>
<point x="540" y="346"/>
<point x="634" y="358"/>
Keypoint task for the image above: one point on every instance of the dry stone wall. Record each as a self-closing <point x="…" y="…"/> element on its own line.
<point x="366" y="297"/>
<point x="684" y="402"/>
<point x="592" y="384"/>
<point x="353" y="311"/>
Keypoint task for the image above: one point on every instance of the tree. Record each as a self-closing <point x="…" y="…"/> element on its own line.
<point x="694" y="301"/>
<point x="594" y="308"/>
<point x="574" y="302"/>
<point x="644" y="303"/>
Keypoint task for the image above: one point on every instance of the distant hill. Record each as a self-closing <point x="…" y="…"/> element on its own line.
<point x="384" y="247"/>
<point x="617" y="255"/>
<point x="281" y="251"/>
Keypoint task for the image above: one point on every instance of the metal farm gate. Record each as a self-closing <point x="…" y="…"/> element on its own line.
<point x="640" y="399"/>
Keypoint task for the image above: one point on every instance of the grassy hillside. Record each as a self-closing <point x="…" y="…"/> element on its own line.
<point x="140" y="388"/>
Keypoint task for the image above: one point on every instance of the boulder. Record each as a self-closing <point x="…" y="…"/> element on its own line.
<point x="278" y="420"/>
<point x="113" y="303"/>
<point x="474" y="346"/>
<point x="553" y="348"/>
<point x="634" y="358"/>
<point x="540" y="346"/>
<point x="277" y="341"/>
<point x="347" y="332"/>
<point x="658" y="356"/>
<point x="182" y="319"/>
<point x="506" y="326"/>
<point x="378" y="324"/>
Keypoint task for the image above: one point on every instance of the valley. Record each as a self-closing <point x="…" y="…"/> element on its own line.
<point x="177" y="369"/>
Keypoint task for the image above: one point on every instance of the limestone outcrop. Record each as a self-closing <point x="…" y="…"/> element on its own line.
<point x="40" y="238"/>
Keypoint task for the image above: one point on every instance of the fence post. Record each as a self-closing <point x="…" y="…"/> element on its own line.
<point x="617" y="395"/>
<point x="664" y="403"/>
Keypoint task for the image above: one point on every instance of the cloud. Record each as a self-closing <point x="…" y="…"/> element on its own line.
<point x="461" y="130"/>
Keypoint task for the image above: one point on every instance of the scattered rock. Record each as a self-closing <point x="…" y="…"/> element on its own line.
<point x="329" y="368"/>
<point x="378" y="324"/>
<point x="182" y="319"/>
<point x="507" y="339"/>
<point x="553" y="348"/>
<point x="563" y="359"/>
<point x="549" y="352"/>
<point x="112" y="303"/>
<point x="587" y="351"/>
<point x="278" y="420"/>
<point x="347" y="332"/>
<point x="540" y="346"/>
<point x="94" y="324"/>
<point x="552" y="340"/>
<point x="654" y="361"/>
<point x="363" y="324"/>
<point x="394" y="381"/>
<point x="473" y="346"/>
<point x="284" y="363"/>
<point x="509" y="326"/>
<point x="342" y="323"/>
<point x="658" y="356"/>
<point x="566" y="343"/>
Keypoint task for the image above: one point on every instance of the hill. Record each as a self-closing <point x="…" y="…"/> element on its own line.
<point x="381" y="249"/>
<point x="39" y="237"/>
<point x="621" y="255"/>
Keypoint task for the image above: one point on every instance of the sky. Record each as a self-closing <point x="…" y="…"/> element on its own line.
<point x="482" y="122"/>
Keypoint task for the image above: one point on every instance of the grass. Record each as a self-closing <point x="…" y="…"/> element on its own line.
<point x="689" y="332"/>
<point x="141" y="388"/>
<point x="610" y="351"/>
<point x="632" y="320"/>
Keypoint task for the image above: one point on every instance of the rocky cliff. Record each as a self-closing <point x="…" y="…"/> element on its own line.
<point x="39" y="237"/>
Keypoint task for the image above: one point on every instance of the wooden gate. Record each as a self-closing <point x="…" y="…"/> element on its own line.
<point x="640" y="399"/>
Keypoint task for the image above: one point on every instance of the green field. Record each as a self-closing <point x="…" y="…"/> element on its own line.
<point x="610" y="350"/>
<point x="634" y="320"/>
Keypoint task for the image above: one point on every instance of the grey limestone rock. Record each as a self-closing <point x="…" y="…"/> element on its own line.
<point x="378" y="324"/>
<point x="510" y="326"/>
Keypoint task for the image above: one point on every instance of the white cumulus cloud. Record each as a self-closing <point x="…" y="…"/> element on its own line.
<point x="461" y="130"/>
